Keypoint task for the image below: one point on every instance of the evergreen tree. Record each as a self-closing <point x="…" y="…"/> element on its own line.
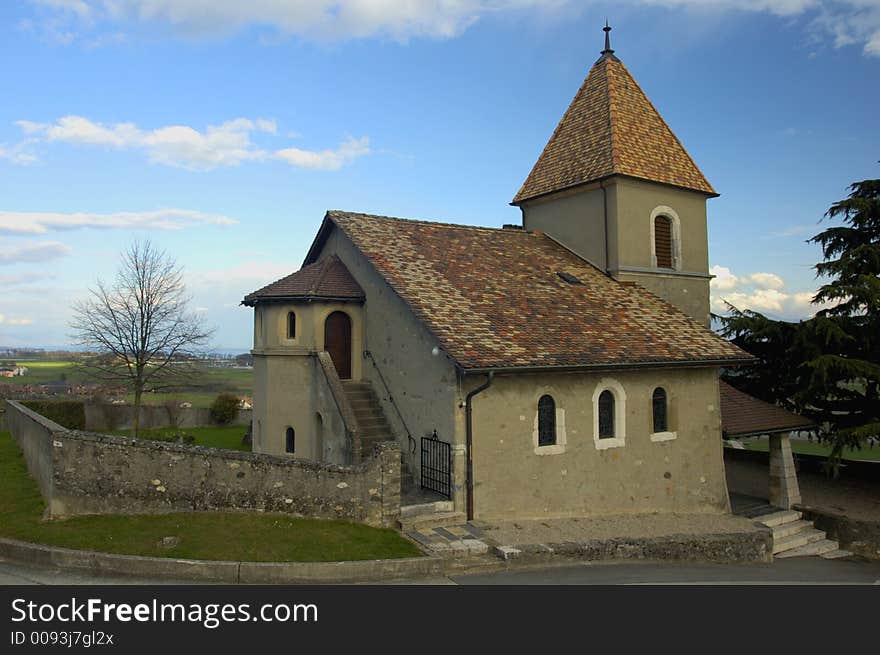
<point x="827" y="367"/>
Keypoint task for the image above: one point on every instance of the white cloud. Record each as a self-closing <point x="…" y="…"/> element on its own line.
<point x="844" y="22"/>
<point x="760" y="292"/>
<point x="724" y="280"/>
<point x="15" y="321"/>
<point x="15" y="222"/>
<point x="35" y="251"/>
<point x="227" y="144"/>
<point x="17" y="155"/>
<point x="328" y="160"/>
<point x="766" y="281"/>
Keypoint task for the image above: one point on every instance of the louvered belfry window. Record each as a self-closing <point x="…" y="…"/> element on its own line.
<point x="658" y="400"/>
<point x="606" y="415"/>
<point x="546" y="421"/>
<point x="663" y="241"/>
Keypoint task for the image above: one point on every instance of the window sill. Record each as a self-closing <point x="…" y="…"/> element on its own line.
<point x="663" y="436"/>
<point x="604" y="444"/>
<point x="554" y="449"/>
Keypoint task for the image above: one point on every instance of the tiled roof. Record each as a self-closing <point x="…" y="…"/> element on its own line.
<point x="328" y="278"/>
<point x="494" y="298"/>
<point x="743" y="415"/>
<point x="611" y="128"/>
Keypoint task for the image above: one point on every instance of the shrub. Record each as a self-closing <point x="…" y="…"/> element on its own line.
<point x="70" y="414"/>
<point x="224" y="408"/>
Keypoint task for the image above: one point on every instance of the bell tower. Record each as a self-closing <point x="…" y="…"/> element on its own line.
<point x="616" y="186"/>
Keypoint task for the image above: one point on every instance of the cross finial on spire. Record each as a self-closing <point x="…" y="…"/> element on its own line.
<point x="607" y="30"/>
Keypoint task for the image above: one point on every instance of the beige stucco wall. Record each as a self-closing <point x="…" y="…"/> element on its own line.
<point x="289" y="388"/>
<point x="423" y="385"/>
<point x="514" y="480"/>
<point x="689" y="294"/>
<point x="635" y="200"/>
<point x="283" y="384"/>
<point x="575" y="219"/>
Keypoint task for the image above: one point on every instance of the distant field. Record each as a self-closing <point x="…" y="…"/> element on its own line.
<point x="814" y="448"/>
<point x="46" y="371"/>
<point x="201" y="391"/>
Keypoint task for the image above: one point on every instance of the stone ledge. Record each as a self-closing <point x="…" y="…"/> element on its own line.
<point x="222" y="571"/>
<point x="754" y="546"/>
<point x="856" y="535"/>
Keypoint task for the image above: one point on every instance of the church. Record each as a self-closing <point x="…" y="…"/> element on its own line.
<point x="560" y="367"/>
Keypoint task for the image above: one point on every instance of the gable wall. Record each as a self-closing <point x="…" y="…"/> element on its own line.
<point x="575" y="219"/>
<point x="684" y="474"/>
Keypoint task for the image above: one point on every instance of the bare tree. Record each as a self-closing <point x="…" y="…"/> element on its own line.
<point x="139" y="328"/>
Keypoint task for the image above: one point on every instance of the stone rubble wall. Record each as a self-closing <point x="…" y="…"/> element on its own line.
<point x="88" y="473"/>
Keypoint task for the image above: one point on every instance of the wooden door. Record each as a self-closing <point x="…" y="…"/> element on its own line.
<point x="337" y="342"/>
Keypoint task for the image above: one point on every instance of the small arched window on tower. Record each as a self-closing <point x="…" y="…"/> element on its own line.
<point x="659" y="406"/>
<point x="663" y="242"/>
<point x="291" y="325"/>
<point x="606" y="415"/>
<point x="289" y="441"/>
<point x="546" y="421"/>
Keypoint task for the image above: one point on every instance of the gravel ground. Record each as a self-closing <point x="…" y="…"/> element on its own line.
<point x="606" y="527"/>
<point x="858" y="499"/>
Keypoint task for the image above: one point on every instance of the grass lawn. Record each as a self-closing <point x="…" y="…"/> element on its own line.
<point x="203" y="535"/>
<point x="815" y="448"/>
<point x="227" y="436"/>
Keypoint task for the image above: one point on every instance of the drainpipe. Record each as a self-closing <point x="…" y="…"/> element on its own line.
<point x="469" y="441"/>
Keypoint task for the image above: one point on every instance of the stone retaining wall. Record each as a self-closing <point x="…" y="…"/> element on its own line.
<point x="89" y="473"/>
<point x="102" y="416"/>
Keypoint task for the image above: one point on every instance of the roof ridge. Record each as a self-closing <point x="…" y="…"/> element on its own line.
<point x="666" y="125"/>
<point x="611" y="140"/>
<point x="428" y="222"/>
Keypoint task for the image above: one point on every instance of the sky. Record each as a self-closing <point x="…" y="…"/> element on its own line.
<point x="222" y="131"/>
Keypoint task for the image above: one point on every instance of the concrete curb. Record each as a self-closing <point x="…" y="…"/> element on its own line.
<point x="220" y="571"/>
<point x="754" y="546"/>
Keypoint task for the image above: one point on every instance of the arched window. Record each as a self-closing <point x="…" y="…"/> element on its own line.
<point x="606" y="415"/>
<point x="289" y="441"/>
<point x="291" y="325"/>
<point x="663" y="242"/>
<point x="546" y="421"/>
<point x="658" y="402"/>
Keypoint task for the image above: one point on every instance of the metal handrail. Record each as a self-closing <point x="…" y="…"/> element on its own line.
<point x="367" y="354"/>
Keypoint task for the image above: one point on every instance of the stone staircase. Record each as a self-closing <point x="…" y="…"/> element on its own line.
<point x="371" y="419"/>
<point x="795" y="537"/>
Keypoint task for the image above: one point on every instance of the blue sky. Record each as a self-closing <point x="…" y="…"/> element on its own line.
<point x="223" y="131"/>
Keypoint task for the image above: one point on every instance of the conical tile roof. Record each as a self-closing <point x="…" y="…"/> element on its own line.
<point x="611" y="128"/>
<point x="328" y="278"/>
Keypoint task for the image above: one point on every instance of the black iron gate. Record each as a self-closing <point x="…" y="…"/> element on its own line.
<point x="436" y="465"/>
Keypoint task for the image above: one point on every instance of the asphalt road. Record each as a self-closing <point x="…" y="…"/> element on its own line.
<point x="794" y="571"/>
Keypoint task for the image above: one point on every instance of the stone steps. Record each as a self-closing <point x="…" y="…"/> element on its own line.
<point x="796" y="540"/>
<point x="795" y="537"/>
<point x="372" y="424"/>
<point x="780" y="517"/>
<point x="785" y="529"/>
<point x="434" y="520"/>
<point x="426" y="509"/>
<point x="821" y="547"/>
